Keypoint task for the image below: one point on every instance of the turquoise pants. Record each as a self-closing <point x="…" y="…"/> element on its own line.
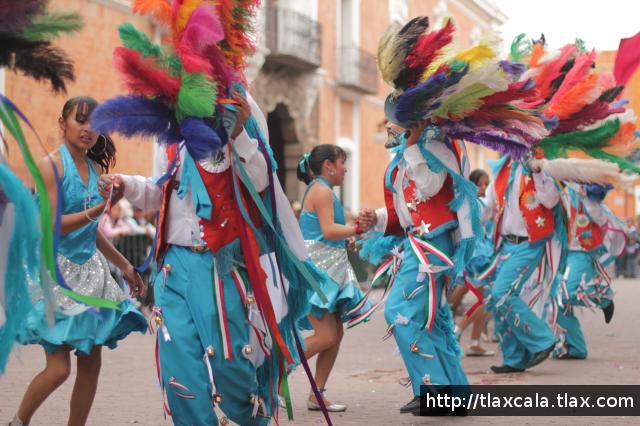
<point x="593" y="292"/>
<point x="189" y="311"/>
<point x="521" y="332"/>
<point x="429" y="357"/>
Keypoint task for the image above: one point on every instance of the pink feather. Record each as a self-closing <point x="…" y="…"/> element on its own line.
<point x="142" y="76"/>
<point x="550" y="71"/>
<point x="203" y="29"/>
<point x="578" y="72"/>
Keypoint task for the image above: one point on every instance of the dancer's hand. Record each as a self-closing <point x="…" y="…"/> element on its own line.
<point x="107" y="182"/>
<point x="367" y="219"/>
<point x="136" y="284"/>
<point x="244" y="111"/>
<point x="414" y="132"/>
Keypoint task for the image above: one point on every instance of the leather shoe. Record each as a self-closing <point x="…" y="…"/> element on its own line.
<point x="608" y="312"/>
<point x="411" y="406"/>
<point x="541" y="356"/>
<point x="502" y="369"/>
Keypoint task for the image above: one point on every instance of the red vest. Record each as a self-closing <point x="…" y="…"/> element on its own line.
<point x="222" y="228"/>
<point x="393" y="223"/>
<point x="539" y="219"/>
<point x="435" y="210"/>
<point x="588" y="233"/>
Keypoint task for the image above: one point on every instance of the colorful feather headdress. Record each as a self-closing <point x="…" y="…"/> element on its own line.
<point x="469" y="94"/>
<point x="578" y="104"/>
<point x="26" y="32"/>
<point x="178" y="91"/>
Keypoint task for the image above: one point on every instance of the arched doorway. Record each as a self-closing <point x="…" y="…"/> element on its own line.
<point x="286" y="148"/>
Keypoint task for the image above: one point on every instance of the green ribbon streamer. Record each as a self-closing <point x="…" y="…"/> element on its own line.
<point x="10" y="121"/>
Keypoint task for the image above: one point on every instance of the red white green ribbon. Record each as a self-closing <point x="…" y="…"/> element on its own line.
<point x="490" y="269"/>
<point x="420" y="249"/>
<point x="218" y="286"/>
<point x="388" y="267"/>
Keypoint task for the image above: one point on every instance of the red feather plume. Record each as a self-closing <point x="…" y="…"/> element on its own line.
<point x="142" y="76"/>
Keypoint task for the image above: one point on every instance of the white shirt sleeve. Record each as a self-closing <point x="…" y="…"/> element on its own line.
<point x="247" y="148"/>
<point x="595" y="211"/>
<point x="546" y="191"/>
<point x="381" y="220"/>
<point x="142" y="192"/>
<point x="428" y="182"/>
<point x="491" y="205"/>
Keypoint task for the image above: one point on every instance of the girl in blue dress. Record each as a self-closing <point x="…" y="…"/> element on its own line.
<point x="326" y="232"/>
<point x="81" y="259"/>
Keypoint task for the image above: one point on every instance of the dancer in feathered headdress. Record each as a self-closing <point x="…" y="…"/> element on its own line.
<point x="26" y="32"/>
<point x="579" y="105"/>
<point x="233" y="271"/>
<point x="442" y="96"/>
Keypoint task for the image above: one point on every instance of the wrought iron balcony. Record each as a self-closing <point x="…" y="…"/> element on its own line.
<point x="292" y="38"/>
<point x="357" y="69"/>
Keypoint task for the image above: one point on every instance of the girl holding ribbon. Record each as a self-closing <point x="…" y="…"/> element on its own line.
<point x="71" y="175"/>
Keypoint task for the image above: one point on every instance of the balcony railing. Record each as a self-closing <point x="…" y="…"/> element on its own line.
<point x="292" y="38"/>
<point x="358" y="70"/>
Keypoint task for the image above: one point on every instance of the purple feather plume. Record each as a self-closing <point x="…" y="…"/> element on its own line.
<point x="513" y="69"/>
<point x="135" y="116"/>
<point x="15" y="15"/>
<point x="201" y="140"/>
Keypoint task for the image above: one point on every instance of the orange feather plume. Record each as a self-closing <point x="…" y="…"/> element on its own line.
<point x="160" y="9"/>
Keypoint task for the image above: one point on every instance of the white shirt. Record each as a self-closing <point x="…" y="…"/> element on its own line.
<point x="427" y="183"/>
<point x="182" y="223"/>
<point x="513" y="222"/>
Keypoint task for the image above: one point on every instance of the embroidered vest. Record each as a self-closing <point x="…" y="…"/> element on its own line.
<point x="222" y="228"/>
<point x="434" y="210"/>
<point x="538" y="219"/>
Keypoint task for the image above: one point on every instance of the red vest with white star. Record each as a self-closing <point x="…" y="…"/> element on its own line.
<point x="222" y="228"/>
<point x="435" y="210"/>
<point x="588" y="233"/>
<point x="538" y="218"/>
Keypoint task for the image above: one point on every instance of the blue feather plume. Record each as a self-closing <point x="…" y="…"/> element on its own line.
<point x="418" y="102"/>
<point x="135" y="116"/>
<point x="201" y="140"/>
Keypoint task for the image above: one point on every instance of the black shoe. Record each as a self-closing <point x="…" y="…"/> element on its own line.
<point x="412" y="406"/>
<point x="541" y="356"/>
<point x="501" y="369"/>
<point x="608" y="312"/>
<point x="568" y="356"/>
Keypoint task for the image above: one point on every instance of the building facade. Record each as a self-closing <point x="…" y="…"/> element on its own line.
<point x="314" y="76"/>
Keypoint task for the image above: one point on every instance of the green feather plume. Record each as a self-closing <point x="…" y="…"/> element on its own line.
<point x="48" y="27"/>
<point x="557" y="146"/>
<point x="137" y="40"/>
<point x="467" y="100"/>
<point x="520" y="48"/>
<point x="196" y="98"/>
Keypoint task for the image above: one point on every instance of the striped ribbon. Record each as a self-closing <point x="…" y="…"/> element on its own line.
<point x="479" y="295"/>
<point x="490" y="269"/>
<point x="241" y="286"/>
<point x="218" y="293"/>
<point x="165" y="407"/>
<point x="420" y="249"/>
<point x="389" y="267"/>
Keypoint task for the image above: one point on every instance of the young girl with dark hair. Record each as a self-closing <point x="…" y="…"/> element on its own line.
<point x="325" y="231"/>
<point x="81" y="258"/>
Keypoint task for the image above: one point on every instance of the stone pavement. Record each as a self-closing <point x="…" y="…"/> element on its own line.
<point x="366" y="377"/>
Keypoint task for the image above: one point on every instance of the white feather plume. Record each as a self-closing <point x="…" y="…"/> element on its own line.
<point x="580" y="170"/>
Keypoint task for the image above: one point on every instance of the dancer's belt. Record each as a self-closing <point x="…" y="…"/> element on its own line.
<point x="515" y="239"/>
<point x="203" y="248"/>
